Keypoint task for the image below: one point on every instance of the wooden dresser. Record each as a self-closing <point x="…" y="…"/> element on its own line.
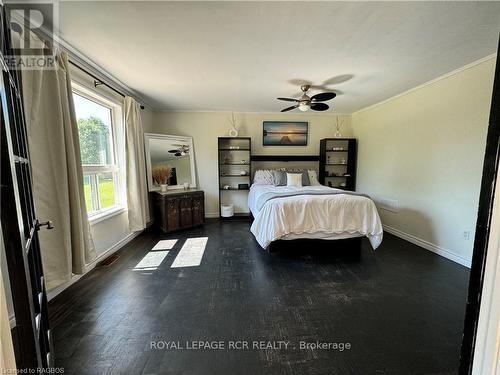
<point x="179" y="209"/>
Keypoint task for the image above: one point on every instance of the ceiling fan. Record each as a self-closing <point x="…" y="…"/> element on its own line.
<point x="304" y="103"/>
<point x="180" y="151"/>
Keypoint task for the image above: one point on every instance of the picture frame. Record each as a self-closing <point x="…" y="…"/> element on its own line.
<point x="285" y="133"/>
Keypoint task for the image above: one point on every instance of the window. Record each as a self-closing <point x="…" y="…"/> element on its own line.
<point x="97" y="128"/>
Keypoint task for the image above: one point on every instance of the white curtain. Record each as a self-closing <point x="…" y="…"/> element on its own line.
<point x="57" y="172"/>
<point x="137" y="193"/>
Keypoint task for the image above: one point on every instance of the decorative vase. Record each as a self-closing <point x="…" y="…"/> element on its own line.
<point x="163" y="187"/>
<point x="233" y="132"/>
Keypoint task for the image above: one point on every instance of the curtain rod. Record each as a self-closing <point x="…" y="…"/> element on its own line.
<point x="97" y="81"/>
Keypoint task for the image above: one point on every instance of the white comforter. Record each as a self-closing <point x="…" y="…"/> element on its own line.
<point x="313" y="216"/>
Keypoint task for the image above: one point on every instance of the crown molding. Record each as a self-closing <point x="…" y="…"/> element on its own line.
<point x="302" y="114"/>
<point x="88" y="64"/>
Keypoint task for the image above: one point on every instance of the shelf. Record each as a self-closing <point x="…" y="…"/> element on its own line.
<point x="234" y="149"/>
<point x="337" y="150"/>
<point x="336" y="164"/>
<point x="234" y="164"/>
<point x="337" y="176"/>
<point x="234" y="175"/>
<point x="234" y="189"/>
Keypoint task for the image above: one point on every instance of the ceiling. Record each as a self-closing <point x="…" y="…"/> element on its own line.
<point x="240" y="56"/>
<point x="158" y="150"/>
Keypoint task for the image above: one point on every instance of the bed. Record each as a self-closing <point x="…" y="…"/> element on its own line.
<point x="316" y="212"/>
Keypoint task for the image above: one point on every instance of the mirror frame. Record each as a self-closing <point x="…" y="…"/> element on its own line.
<point x="176" y="138"/>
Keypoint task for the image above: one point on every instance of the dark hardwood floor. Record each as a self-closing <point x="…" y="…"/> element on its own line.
<point x="400" y="308"/>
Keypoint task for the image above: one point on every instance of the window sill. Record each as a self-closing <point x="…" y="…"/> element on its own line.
<point x="106" y="214"/>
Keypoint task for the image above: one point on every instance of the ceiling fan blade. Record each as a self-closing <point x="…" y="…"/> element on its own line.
<point x="288" y="99"/>
<point x="173" y="151"/>
<point x="178" y="154"/>
<point x="290" y="108"/>
<point x="324" y="96"/>
<point x="319" y="106"/>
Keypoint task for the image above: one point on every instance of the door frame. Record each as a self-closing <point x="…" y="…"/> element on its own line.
<point x="483" y="229"/>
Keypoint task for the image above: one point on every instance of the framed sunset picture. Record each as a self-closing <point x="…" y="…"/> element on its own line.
<point x="284" y="133"/>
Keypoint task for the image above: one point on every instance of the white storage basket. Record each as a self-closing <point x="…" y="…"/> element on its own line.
<point x="227" y="210"/>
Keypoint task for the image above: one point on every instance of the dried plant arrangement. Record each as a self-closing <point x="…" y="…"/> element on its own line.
<point x="161" y="174"/>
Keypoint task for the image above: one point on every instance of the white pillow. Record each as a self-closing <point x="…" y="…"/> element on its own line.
<point x="294" y="179"/>
<point x="263" y="177"/>
<point x="313" y="177"/>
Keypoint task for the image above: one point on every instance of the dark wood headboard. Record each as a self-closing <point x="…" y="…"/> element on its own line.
<point x="285" y="157"/>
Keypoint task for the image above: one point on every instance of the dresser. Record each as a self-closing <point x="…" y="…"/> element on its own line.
<point x="179" y="209"/>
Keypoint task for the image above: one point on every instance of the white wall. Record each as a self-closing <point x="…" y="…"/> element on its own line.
<point x="206" y="127"/>
<point x="425" y="149"/>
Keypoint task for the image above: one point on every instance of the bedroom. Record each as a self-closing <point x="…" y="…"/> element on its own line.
<point x="369" y="277"/>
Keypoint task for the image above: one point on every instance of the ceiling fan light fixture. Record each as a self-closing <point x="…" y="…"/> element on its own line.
<point x="305" y="103"/>
<point x="304" y="106"/>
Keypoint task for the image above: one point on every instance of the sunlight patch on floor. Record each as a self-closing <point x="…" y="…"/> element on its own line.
<point x="151" y="261"/>
<point x="191" y="253"/>
<point x="165" y="245"/>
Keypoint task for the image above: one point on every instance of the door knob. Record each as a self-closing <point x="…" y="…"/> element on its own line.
<point x="47" y="224"/>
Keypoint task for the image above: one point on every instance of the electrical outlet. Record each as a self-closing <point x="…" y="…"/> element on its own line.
<point x="466" y="235"/>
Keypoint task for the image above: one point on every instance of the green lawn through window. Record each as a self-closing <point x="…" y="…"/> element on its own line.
<point x="106" y="193"/>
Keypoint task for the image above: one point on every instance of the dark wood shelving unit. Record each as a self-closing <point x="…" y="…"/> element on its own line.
<point x="331" y="161"/>
<point x="225" y="151"/>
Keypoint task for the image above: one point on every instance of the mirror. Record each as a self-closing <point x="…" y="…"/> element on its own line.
<point x="169" y="161"/>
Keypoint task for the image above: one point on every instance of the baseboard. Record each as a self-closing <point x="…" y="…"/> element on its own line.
<point x="429" y="246"/>
<point x="113" y="249"/>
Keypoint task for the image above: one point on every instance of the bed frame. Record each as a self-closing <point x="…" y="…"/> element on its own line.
<point x="348" y="248"/>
